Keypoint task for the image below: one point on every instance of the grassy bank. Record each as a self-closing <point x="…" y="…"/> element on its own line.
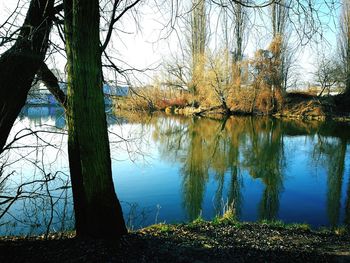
<point x="220" y="240"/>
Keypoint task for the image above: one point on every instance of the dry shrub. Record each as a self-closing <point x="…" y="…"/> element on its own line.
<point x="178" y="102"/>
<point x="276" y="46"/>
<point x="154" y="97"/>
<point x="207" y="97"/>
<point x="264" y="101"/>
<point x="279" y="99"/>
<point x="132" y="102"/>
<point x="174" y="102"/>
<point x="268" y="101"/>
<point x="217" y="82"/>
<point x="241" y="99"/>
<point x="198" y="74"/>
<point x="162" y="104"/>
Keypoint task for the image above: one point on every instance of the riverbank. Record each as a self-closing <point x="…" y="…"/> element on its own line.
<point x="308" y="107"/>
<point x="296" y="105"/>
<point x="200" y="241"/>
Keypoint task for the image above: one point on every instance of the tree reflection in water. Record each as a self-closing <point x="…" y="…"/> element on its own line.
<point x="218" y="161"/>
<point x="331" y="153"/>
<point x="255" y="145"/>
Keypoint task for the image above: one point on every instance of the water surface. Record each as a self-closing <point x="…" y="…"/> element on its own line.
<point x="174" y="169"/>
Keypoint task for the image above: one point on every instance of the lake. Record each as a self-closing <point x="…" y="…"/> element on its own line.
<point x="175" y="169"/>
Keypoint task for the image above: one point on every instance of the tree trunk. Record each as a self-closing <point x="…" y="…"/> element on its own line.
<point x="97" y="210"/>
<point x="239" y="28"/>
<point x="19" y="64"/>
<point x="279" y="21"/>
<point x="198" y="41"/>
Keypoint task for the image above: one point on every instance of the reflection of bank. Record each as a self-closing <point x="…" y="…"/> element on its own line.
<point x="212" y="152"/>
<point x="39" y="114"/>
<point x="203" y="164"/>
<point x="41" y="96"/>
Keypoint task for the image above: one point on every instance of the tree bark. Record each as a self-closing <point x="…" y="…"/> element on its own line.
<point x="51" y="83"/>
<point x="98" y="212"/>
<point x="20" y="63"/>
<point x="239" y="30"/>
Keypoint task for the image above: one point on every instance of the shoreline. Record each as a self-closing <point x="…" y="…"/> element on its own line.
<point x="296" y="106"/>
<point x="217" y="115"/>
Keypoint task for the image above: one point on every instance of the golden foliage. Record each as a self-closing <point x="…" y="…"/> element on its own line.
<point x="217" y="80"/>
<point x="276" y="46"/>
<point x="264" y="101"/>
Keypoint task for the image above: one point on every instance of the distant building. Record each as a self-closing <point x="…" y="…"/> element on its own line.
<point x="41" y="99"/>
<point x="40" y="95"/>
<point x="120" y="91"/>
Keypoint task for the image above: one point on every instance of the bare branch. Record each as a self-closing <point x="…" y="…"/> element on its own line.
<point x="115" y="19"/>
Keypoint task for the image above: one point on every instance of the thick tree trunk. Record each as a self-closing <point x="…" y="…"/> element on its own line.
<point x="19" y="64"/>
<point x="97" y="210"/>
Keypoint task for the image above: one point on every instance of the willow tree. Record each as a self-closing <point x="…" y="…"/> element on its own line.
<point x="19" y="64"/>
<point x="97" y="210"/>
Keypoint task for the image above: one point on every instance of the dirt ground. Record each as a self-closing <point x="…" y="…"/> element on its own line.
<point x="201" y="242"/>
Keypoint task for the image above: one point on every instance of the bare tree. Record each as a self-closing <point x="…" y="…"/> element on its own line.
<point x="344" y="44"/>
<point x="239" y="25"/>
<point x="280" y="20"/>
<point x="234" y="23"/>
<point x="198" y="39"/>
<point x="326" y="74"/>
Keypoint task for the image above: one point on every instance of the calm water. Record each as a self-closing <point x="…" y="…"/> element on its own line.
<point x="174" y="169"/>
